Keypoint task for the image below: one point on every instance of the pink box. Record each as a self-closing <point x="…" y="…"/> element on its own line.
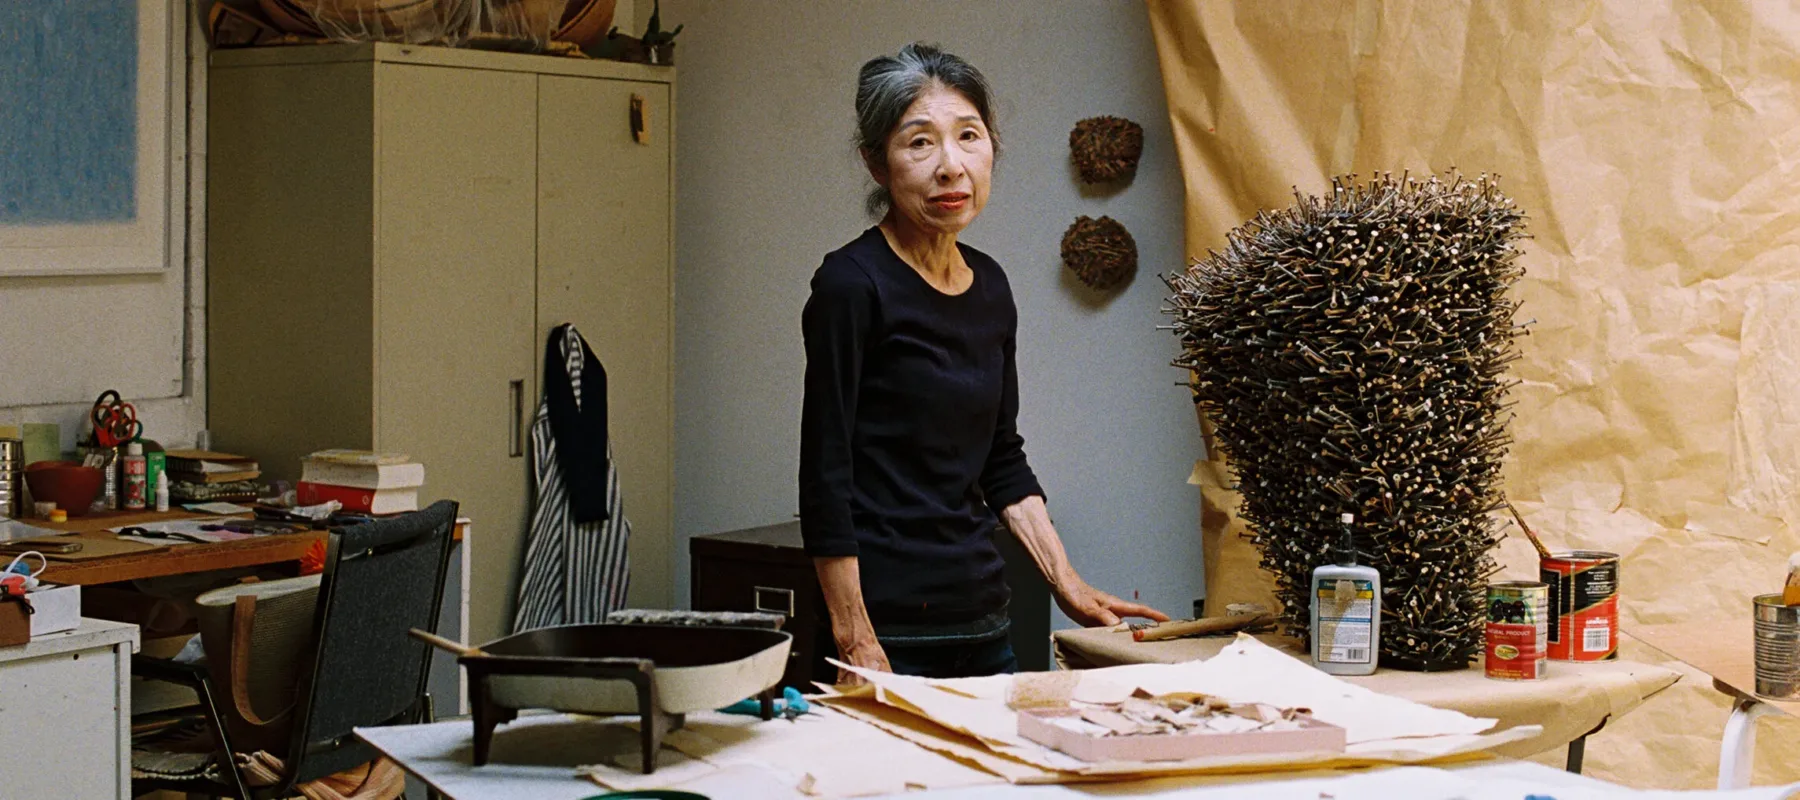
<point x="1312" y="737"/>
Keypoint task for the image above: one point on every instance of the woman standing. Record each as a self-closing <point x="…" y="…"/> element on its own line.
<point x="909" y="449"/>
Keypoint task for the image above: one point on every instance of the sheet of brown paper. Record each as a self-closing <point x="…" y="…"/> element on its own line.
<point x="1380" y="729"/>
<point x="1655" y="149"/>
<point x="1573" y="700"/>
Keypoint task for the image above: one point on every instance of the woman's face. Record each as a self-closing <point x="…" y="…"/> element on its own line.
<point x="938" y="162"/>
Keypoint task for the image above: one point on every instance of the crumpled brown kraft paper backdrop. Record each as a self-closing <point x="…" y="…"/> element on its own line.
<point x="1656" y="148"/>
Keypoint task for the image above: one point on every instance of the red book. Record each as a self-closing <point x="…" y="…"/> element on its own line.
<point x="367" y="501"/>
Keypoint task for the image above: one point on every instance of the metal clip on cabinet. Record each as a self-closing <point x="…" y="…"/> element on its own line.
<point x="394" y="230"/>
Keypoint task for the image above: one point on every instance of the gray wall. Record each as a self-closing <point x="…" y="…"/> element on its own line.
<point x="767" y="183"/>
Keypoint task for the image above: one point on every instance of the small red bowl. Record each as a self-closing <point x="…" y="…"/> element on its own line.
<point x="68" y="484"/>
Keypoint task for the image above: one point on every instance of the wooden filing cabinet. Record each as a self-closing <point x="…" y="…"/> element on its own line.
<point x="764" y="569"/>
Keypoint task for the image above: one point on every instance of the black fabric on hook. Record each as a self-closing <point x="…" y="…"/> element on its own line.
<point x="579" y="427"/>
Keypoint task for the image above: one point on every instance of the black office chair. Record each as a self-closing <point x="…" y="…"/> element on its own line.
<point x="381" y="579"/>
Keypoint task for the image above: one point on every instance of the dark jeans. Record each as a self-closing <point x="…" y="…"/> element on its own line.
<point x="992" y="657"/>
<point x="974" y="659"/>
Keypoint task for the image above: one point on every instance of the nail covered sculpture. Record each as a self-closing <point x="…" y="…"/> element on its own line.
<point x="1351" y="351"/>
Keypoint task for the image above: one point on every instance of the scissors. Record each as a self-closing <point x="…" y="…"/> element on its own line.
<point x="115" y="421"/>
<point x="150" y="534"/>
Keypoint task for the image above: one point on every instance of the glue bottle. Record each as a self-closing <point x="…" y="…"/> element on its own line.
<point x="162" y="491"/>
<point x="1346" y="612"/>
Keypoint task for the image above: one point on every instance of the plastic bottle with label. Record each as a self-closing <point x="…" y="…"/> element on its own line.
<point x="1346" y="611"/>
<point x="135" y="466"/>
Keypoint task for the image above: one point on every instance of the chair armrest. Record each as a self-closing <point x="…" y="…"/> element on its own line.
<point x="162" y="669"/>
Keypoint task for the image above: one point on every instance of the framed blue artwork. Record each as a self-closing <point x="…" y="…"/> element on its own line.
<point x="92" y="109"/>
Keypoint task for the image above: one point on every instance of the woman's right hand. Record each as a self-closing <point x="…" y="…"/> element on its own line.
<point x="840" y="578"/>
<point x="864" y="652"/>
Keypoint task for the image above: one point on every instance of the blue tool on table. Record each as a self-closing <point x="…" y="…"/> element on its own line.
<point x="790" y="705"/>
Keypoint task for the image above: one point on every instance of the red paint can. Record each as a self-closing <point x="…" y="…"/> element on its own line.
<point x="1517" y="630"/>
<point x="1584" y="604"/>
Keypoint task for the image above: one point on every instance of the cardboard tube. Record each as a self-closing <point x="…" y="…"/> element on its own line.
<point x="1198" y="627"/>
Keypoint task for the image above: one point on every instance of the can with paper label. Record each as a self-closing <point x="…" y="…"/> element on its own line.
<point x="1584" y="604"/>
<point x="1517" y="634"/>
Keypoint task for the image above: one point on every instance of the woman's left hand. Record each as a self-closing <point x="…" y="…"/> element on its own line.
<point x="1091" y="608"/>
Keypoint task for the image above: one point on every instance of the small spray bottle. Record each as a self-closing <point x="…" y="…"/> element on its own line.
<point x="1346" y="612"/>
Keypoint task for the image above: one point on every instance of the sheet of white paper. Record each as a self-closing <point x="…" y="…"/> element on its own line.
<point x="11" y="529"/>
<point x="189" y="527"/>
<point x="824" y="753"/>
<point x="1246" y="671"/>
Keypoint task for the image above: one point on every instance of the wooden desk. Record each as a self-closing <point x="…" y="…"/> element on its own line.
<point x="174" y="559"/>
<point x="181" y="559"/>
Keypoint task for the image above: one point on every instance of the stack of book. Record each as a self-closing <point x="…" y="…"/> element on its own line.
<point x="204" y="476"/>
<point x="361" y="481"/>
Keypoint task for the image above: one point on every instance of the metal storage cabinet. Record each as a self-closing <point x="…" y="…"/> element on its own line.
<point x="392" y="233"/>
<point x="67" y="698"/>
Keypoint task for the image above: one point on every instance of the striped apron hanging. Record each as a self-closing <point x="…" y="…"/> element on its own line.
<point x="575" y="571"/>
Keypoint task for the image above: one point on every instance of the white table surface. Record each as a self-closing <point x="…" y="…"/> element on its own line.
<point x="1498" y="779"/>
<point x="536" y="757"/>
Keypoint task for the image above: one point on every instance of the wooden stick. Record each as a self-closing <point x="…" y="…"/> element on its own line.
<point x="1205" y="625"/>
<point x="1543" y="552"/>
<point x="445" y="644"/>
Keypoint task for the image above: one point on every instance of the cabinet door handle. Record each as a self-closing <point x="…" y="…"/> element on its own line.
<point x="640" y="120"/>
<point x="757" y="599"/>
<point x="517" y="434"/>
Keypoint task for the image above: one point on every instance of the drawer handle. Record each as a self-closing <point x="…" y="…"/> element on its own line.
<point x="757" y="594"/>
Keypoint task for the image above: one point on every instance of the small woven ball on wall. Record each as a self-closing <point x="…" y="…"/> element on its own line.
<point x="1106" y="149"/>
<point x="1100" y="252"/>
<point x="1351" y="352"/>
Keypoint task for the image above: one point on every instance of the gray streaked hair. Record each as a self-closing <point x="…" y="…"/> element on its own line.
<point x="888" y="85"/>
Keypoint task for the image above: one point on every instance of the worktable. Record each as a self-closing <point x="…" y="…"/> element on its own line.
<point x="537" y="757"/>
<point x="1574" y="700"/>
<point x="1724" y="650"/>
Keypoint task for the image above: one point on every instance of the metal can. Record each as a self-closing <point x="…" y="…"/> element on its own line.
<point x="1584" y="604"/>
<point x="12" y="478"/>
<point x="1777" y="631"/>
<point x="1517" y="630"/>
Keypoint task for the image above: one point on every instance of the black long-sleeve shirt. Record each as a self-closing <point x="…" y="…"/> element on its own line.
<point x="908" y="441"/>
